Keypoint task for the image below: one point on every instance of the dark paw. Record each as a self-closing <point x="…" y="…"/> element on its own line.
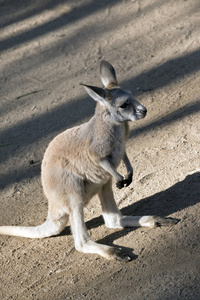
<point x="120" y="184"/>
<point x="118" y="254"/>
<point x="159" y="221"/>
<point x="128" y="180"/>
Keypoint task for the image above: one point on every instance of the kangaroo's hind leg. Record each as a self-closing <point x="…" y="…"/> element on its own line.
<point x="83" y="242"/>
<point x="114" y="219"/>
<point x="111" y="214"/>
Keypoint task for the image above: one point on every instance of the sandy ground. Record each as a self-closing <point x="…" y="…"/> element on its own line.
<point x="47" y="48"/>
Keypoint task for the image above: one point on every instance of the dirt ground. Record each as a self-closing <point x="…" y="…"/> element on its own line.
<point x="47" y="48"/>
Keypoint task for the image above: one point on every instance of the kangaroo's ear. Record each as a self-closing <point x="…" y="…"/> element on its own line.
<point x="108" y="76"/>
<point x="98" y="94"/>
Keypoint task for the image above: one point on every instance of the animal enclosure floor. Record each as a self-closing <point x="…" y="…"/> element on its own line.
<point x="47" y="48"/>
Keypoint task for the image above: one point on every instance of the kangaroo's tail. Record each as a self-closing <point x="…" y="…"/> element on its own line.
<point x="47" y="229"/>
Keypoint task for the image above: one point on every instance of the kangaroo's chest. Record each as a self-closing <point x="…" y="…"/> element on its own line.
<point x="118" y="148"/>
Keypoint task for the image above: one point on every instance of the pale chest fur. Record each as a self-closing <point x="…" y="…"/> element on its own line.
<point x="118" y="148"/>
<point x="108" y="142"/>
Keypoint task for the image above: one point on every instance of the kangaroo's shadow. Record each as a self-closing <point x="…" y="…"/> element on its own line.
<point x="179" y="196"/>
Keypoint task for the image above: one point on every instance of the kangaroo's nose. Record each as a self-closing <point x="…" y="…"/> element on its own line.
<point x="142" y="109"/>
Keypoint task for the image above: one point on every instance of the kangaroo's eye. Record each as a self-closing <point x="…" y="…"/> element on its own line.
<point x="124" y="105"/>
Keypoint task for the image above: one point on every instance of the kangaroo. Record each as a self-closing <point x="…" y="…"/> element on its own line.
<point x="81" y="162"/>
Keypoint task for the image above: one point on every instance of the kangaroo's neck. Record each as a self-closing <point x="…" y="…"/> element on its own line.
<point x="103" y="122"/>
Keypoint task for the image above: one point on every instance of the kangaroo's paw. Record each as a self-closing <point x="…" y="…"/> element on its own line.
<point x="156" y="221"/>
<point x="159" y="221"/>
<point x="118" y="254"/>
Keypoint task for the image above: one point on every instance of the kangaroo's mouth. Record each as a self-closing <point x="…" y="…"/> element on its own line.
<point x="140" y="114"/>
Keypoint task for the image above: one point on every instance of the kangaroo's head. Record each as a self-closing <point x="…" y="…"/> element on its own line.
<point x="120" y="103"/>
